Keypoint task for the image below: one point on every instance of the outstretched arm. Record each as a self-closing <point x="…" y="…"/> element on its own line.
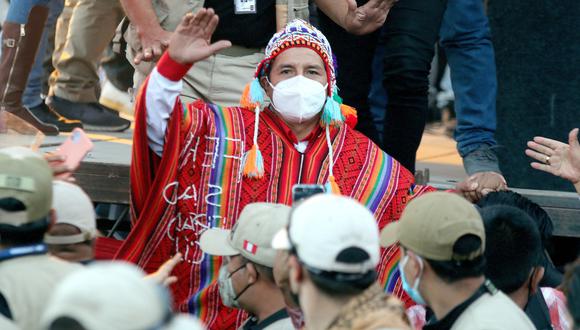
<point x="357" y="20"/>
<point x="153" y="38"/>
<point x="189" y="44"/>
<point x="557" y="158"/>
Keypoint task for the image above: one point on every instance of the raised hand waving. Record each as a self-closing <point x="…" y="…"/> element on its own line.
<point x="191" y="41"/>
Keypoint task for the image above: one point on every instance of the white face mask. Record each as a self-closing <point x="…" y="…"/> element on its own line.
<point x="298" y="99"/>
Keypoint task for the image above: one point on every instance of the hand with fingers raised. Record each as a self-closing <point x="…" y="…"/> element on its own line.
<point x="163" y="274"/>
<point x="153" y="43"/>
<point x="368" y="17"/>
<point x="557" y="158"/>
<point x="191" y="41"/>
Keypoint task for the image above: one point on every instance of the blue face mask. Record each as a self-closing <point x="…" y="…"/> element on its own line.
<point x="413" y="292"/>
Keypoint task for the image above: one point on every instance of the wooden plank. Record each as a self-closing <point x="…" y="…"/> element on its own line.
<point x="109" y="183"/>
<point x="104" y="183"/>
<point x="566" y="221"/>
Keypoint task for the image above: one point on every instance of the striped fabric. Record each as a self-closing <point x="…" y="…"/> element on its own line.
<point x="197" y="184"/>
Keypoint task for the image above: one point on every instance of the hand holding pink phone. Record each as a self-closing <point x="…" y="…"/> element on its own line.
<point x="74" y="149"/>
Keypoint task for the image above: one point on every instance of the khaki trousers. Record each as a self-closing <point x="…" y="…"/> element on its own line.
<point x="219" y="79"/>
<point x="84" y="30"/>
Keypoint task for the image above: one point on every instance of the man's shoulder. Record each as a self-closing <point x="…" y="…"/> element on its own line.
<point x="493" y="311"/>
<point x="44" y="262"/>
<point x="282" y="324"/>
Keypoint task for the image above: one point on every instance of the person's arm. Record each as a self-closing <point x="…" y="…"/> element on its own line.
<point x="357" y="20"/>
<point x="557" y="158"/>
<point x="161" y="98"/>
<point x="153" y="38"/>
<point x="188" y="45"/>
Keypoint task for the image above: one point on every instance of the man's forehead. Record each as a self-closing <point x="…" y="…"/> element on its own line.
<point x="298" y="57"/>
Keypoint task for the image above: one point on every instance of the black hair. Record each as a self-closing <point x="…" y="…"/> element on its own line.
<point x="571" y="288"/>
<point x="29" y="233"/>
<point x="535" y="211"/>
<point x="454" y="270"/>
<point x="337" y="284"/>
<point x="66" y="323"/>
<point x="513" y="246"/>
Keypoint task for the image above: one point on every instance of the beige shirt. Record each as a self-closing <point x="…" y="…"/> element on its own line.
<point x="280" y="322"/>
<point x="491" y="312"/>
<point x="27" y="284"/>
<point x="6" y="324"/>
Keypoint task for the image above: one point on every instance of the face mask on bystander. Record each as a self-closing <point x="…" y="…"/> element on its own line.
<point x="413" y="291"/>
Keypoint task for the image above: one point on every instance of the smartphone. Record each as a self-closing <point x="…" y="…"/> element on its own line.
<point x="74" y="148"/>
<point x="303" y="191"/>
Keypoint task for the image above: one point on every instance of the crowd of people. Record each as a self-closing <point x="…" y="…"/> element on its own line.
<point x="236" y="105"/>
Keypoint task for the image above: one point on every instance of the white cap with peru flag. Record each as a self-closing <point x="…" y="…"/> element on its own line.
<point x="251" y="236"/>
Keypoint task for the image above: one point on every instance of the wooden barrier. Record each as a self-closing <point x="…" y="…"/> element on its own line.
<point x="109" y="183"/>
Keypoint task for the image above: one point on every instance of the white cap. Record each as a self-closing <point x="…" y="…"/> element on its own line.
<point x="251" y="236"/>
<point x="184" y="322"/>
<point x="74" y="207"/>
<point x="332" y="233"/>
<point x="109" y="295"/>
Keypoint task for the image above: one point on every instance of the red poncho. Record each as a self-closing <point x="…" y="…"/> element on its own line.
<point x="198" y="184"/>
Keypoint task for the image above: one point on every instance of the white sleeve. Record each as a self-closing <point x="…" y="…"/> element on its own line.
<point x="160" y="99"/>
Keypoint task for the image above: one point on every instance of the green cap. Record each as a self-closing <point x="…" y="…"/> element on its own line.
<point x="251" y="236"/>
<point x="431" y="225"/>
<point x="26" y="177"/>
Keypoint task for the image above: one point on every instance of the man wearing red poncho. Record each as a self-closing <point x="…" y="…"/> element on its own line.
<point x="195" y="166"/>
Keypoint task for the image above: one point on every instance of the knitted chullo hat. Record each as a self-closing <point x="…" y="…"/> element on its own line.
<point x="297" y="33"/>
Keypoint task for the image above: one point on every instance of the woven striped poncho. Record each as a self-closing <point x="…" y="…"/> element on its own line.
<point x="197" y="184"/>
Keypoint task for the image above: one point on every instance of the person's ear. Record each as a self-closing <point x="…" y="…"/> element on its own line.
<point x="51" y="218"/>
<point x="537" y="276"/>
<point x="252" y="273"/>
<point x="295" y="273"/>
<point x="266" y="85"/>
<point x="412" y="268"/>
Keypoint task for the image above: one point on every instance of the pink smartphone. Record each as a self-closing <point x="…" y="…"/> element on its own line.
<point x="74" y="148"/>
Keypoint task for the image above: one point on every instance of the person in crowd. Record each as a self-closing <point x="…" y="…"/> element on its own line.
<point x="72" y="236"/>
<point x="557" y="158"/>
<point x="21" y="34"/>
<point x="333" y="242"/>
<point x="32" y="98"/>
<point x="571" y="288"/>
<point x="112" y="295"/>
<point x="409" y="50"/>
<point x="75" y="85"/>
<point x="552" y="276"/>
<point x="442" y="242"/>
<point x="208" y="161"/>
<point x="220" y="78"/>
<point x="28" y="274"/>
<point x="514" y="265"/>
<point x="513" y="250"/>
<point x="466" y="40"/>
<point x="246" y="278"/>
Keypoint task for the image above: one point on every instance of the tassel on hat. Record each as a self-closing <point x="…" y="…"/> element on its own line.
<point x="253" y="162"/>
<point x="331" y="114"/>
<point x="331" y="186"/>
<point x="349" y="114"/>
<point x="253" y="94"/>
